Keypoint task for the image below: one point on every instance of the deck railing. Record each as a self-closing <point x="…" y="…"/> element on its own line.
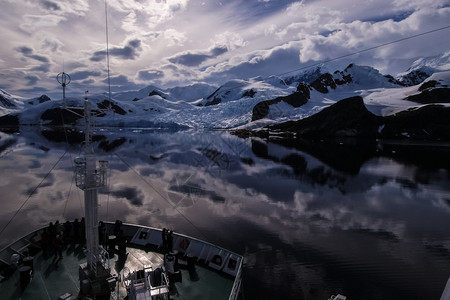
<point x="235" y="290"/>
<point x="237" y="283"/>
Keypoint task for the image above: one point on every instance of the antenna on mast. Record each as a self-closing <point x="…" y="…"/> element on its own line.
<point x="63" y="79"/>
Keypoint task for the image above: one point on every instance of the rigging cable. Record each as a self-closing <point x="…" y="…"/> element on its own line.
<point x="107" y="60"/>
<point x="107" y="50"/>
<point x="107" y="192"/>
<point x="68" y="196"/>
<point x="73" y="167"/>
<point x="366" y="50"/>
<point x="32" y="193"/>
<point x="109" y="91"/>
<point x="162" y="196"/>
<point x="70" y="156"/>
<point x="346" y="55"/>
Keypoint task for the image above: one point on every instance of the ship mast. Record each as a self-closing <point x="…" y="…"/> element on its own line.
<point x="90" y="179"/>
<point x="90" y="176"/>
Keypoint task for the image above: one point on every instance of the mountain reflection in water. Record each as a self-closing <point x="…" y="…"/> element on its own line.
<point x="367" y="219"/>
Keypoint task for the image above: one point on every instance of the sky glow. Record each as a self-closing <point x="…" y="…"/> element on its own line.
<point x="180" y="42"/>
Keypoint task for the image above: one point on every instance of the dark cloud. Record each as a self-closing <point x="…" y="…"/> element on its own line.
<point x="35" y="164"/>
<point x="34" y="91"/>
<point x="121" y="82"/>
<point x="118" y="80"/>
<point x="131" y="194"/>
<point x="81" y="75"/>
<point x="31" y="79"/>
<point x="130" y="51"/>
<point x="42" y="68"/>
<point x="98" y="56"/>
<point x="218" y="51"/>
<point x="134" y="43"/>
<point x="396" y="17"/>
<point x="191" y="59"/>
<point x="75" y="65"/>
<point x="195" y="190"/>
<point x="28" y="52"/>
<point x="88" y="82"/>
<point x="50" y="5"/>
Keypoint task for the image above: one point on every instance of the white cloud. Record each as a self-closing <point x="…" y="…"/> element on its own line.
<point x="34" y="22"/>
<point x="50" y="43"/>
<point x="76" y="7"/>
<point x="295" y="7"/>
<point x="155" y="11"/>
<point x="271" y="29"/>
<point x="129" y="22"/>
<point x="232" y="40"/>
<point x="261" y="37"/>
<point x="174" y="37"/>
<point x="358" y="35"/>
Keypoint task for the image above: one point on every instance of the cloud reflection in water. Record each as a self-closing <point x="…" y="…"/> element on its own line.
<point x="291" y="215"/>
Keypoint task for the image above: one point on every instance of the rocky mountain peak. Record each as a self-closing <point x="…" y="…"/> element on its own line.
<point x="5" y="100"/>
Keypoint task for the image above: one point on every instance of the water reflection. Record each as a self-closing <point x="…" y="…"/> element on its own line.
<point x="368" y="219"/>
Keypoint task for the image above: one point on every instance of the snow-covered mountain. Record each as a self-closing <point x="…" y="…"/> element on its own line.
<point x="253" y="88"/>
<point x="423" y="68"/>
<point x="234" y="103"/>
<point x="190" y="93"/>
<point x="9" y="103"/>
<point x="36" y="101"/>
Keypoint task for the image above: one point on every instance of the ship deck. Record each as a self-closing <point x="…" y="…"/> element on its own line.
<point x="54" y="277"/>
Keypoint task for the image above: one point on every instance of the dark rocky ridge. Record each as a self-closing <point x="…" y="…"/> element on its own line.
<point x="44" y="98"/>
<point x="430" y="122"/>
<point x="431" y="91"/>
<point x="346" y="118"/>
<point x="350" y="118"/>
<point x="297" y="99"/>
<point x="106" y="104"/>
<point x="414" y="77"/>
<point x="213" y="99"/>
<point x="157" y="93"/>
<point x="58" y="117"/>
<point x="41" y="99"/>
<point x="322" y="83"/>
<point x="434" y="95"/>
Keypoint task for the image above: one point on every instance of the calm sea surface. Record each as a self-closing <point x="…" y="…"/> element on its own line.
<point x="366" y="219"/>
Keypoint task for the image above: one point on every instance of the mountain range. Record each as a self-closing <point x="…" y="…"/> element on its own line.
<point x="247" y="104"/>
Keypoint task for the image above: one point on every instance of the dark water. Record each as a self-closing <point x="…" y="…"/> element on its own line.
<point x="367" y="219"/>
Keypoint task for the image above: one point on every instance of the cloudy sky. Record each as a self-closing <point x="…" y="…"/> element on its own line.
<point x="179" y="42"/>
